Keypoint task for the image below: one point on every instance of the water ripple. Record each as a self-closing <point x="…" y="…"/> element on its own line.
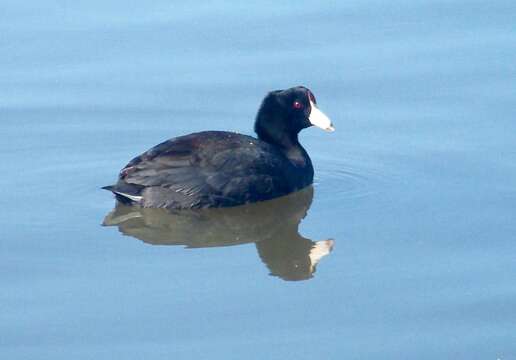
<point x="350" y="179"/>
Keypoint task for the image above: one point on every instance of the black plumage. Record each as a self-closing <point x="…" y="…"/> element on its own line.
<point x="219" y="169"/>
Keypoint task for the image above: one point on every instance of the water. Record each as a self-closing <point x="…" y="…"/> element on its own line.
<point x="413" y="208"/>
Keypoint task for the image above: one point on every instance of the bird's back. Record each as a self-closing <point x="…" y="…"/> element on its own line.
<point x="208" y="169"/>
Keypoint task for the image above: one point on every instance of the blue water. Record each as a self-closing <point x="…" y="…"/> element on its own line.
<point x="415" y="191"/>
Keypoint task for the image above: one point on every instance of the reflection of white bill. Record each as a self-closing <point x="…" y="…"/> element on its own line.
<point x="320" y="250"/>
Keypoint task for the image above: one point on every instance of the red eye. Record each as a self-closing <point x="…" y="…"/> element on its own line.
<point x="297" y="105"/>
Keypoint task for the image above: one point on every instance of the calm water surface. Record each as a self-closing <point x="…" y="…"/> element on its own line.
<point x="404" y="248"/>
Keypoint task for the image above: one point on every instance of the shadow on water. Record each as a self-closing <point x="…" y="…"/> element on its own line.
<point x="272" y="225"/>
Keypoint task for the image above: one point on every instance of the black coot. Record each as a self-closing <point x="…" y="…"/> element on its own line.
<point x="219" y="168"/>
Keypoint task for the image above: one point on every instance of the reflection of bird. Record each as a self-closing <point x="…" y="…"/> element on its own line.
<point x="221" y="169"/>
<point x="294" y="259"/>
<point x="272" y="225"/>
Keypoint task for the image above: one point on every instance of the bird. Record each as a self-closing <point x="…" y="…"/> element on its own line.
<point x="212" y="169"/>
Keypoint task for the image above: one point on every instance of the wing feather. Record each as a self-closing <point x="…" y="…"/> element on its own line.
<point x="192" y="170"/>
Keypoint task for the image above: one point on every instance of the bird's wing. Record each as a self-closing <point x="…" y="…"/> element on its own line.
<point x="212" y="166"/>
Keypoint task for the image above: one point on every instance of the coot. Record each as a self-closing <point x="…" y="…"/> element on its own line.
<point x="220" y="169"/>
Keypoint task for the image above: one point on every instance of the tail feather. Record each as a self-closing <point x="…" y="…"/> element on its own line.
<point x="125" y="192"/>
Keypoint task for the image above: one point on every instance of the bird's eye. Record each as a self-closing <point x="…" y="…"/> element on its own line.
<point x="297" y="105"/>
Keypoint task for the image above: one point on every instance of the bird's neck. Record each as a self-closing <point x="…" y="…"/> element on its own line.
<point x="295" y="152"/>
<point x="289" y="146"/>
<point x="273" y="131"/>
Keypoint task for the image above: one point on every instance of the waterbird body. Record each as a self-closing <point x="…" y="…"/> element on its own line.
<point x="220" y="169"/>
